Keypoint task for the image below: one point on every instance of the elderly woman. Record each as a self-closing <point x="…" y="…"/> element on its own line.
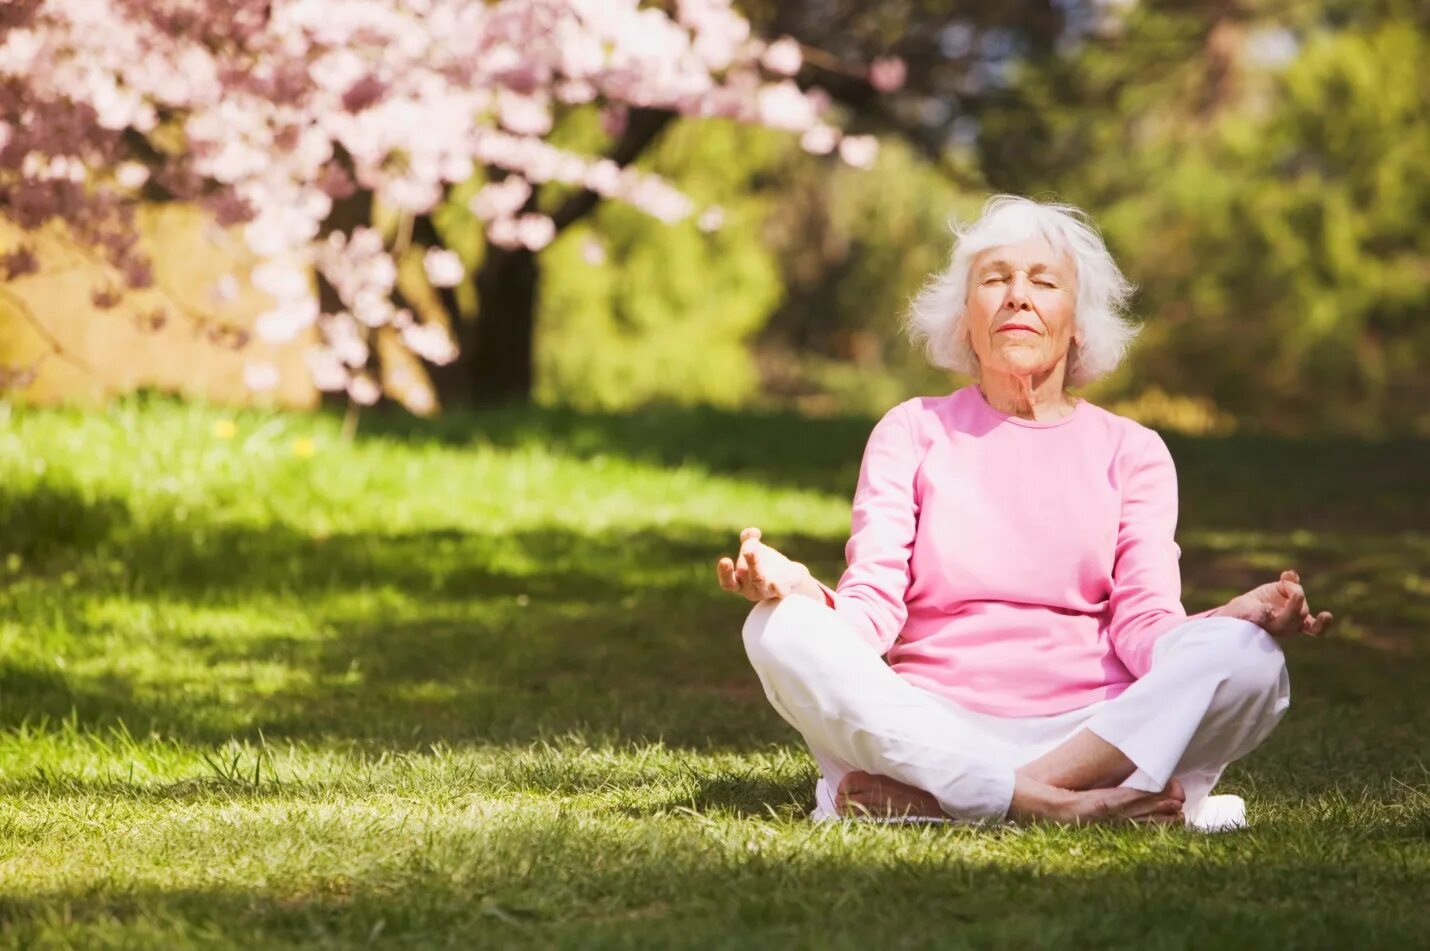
<point x="1008" y="640"/>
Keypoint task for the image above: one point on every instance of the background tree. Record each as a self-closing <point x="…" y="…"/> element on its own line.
<point x="332" y="130"/>
<point x="1259" y="168"/>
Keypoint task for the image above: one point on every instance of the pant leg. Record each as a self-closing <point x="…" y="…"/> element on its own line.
<point x="855" y="712"/>
<point x="1217" y="688"/>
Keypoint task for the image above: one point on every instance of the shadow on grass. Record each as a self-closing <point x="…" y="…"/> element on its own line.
<point x="1244" y="482"/>
<point x="405" y="639"/>
<point x="777" y="448"/>
<point x="401" y="639"/>
<point x="682" y="892"/>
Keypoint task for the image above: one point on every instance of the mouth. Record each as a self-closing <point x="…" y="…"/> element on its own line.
<point x="1009" y="328"/>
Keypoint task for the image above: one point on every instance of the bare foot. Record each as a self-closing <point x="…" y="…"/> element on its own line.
<point x="1034" y="800"/>
<point x="864" y="794"/>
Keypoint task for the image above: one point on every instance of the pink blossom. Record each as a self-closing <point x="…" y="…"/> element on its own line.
<point x="225" y="290"/>
<point x="364" y="390"/>
<point x="372" y="308"/>
<point x="281" y="281"/>
<point x="260" y="376"/>
<point x="131" y="175"/>
<point x="444" y="268"/>
<point x="286" y="321"/>
<point x="430" y="342"/>
<point x="503" y="233"/>
<point x="502" y="199"/>
<point x="711" y="219"/>
<point x="535" y="231"/>
<point x="603" y="177"/>
<point x="783" y="56"/>
<point x="887" y="73"/>
<point x="326" y="370"/>
<point x="593" y="250"/>
<point x="783" y="106"/>
<point x="283" y="109"/>
<point x="347" y="340"/>
<point x="820" y="139"/>
<point x="859" y="151"/>
<point x="524" y="115"/>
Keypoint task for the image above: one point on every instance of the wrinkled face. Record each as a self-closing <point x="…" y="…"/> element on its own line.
<point x="1021" y="303"/>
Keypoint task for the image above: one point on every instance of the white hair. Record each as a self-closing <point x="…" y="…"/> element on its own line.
<point x="937" y="318"/>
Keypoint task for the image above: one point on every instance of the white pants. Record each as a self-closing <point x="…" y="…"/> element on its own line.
<point x="1217" y="688"/>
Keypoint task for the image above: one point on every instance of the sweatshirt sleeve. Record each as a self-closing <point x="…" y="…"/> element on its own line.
<point x="871" y="592"/>
<point x="1146" y="579"/>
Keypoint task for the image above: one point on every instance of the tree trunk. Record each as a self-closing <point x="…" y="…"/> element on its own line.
<point x="496" y="362"/>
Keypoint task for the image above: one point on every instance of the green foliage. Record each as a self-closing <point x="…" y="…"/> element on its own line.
<point x="814" y="259"/>
<point x="670" y="312"/>
<point x="470" y="682"/>
<point x="855" y="245"/>
<point x="1274" y="219"/>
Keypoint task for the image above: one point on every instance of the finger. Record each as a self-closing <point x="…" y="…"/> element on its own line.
<point x="757" y="570"/>
<point x="1290" y="575"/>
<point x="748" y="534"/>
<point x="743" y="573"/>
<point x="1293" y="592"/>
<point x="1319" y="624"/>
<point x="725" y="571"/>
<point x="1288" y="617"/>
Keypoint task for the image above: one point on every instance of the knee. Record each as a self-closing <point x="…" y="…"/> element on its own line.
<point x="780" y="632"/>
<point x="1247" y="661"/>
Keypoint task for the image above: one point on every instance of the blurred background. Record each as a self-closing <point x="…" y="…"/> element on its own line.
<point x="439" y="651"/>
<point x="1259" y="169"/>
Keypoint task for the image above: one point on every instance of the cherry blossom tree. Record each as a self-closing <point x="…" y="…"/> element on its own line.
<point x="328" y="131"/>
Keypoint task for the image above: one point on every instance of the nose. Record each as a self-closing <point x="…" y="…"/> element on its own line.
<point x="1018" y="297"/>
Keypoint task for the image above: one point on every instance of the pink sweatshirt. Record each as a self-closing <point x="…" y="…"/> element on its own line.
<point x="1018" y="568"/>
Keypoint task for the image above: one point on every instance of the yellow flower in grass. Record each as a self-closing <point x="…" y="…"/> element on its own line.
<point x="225" y="429"/>
<point x="303" y="447"/>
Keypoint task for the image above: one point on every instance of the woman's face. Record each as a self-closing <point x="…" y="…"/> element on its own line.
<point x="1021" y="303"/>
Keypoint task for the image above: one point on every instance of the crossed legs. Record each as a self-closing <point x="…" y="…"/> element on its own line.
<point x="1217" y="688"/>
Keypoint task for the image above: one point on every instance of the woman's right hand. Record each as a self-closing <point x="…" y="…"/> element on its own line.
<point x="759" y="572"/>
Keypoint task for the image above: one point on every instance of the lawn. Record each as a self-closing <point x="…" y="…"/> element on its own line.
<point x="470" y="683"/>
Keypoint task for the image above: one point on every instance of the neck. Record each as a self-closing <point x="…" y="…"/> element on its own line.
<point x="1038" y="396"/>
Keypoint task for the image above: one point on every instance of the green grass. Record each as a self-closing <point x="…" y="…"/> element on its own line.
<point x="470" y="682"/>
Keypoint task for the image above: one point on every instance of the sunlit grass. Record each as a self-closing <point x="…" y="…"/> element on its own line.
<point x="470" y="682"/>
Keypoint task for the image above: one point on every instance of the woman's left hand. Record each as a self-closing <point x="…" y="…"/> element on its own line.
<point x="1279" y="608"/>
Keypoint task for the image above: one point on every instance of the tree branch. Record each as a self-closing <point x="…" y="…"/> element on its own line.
<point x="643" y="126"/>
<point x="851" y="87"/>
<point x="57" y="348"/>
